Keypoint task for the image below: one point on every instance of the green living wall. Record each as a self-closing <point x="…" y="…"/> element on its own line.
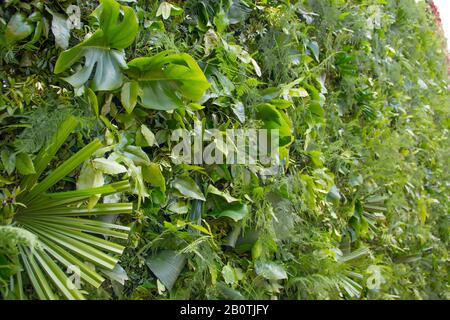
<point x="95" y="207"/>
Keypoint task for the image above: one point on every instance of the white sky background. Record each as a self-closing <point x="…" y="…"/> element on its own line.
<point x="444" y="12"/>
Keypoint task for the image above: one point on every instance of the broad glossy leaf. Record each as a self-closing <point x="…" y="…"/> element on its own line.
<point x="148" y="135"/>
<point x="18" y="28"/>
<point x="104" y="49"/>
<point x="314" y="47"/>
<point x="270" y="270"/>
<point x="117" y="274"/>
<point x="108" y="166"/>
<point x="276" y="119"/>
<point x="60" y="30"/>
<point x="166" y="79"/>
<point x="164" y="10"/>
<point x="334" y="194"/>
<point x="234" y="211"/>
<point x="229" y="293"/>
<point x="8" y="160"/>
<point x="212" y="189"/>
<point x="228" y="274"/>
<point x="136" y="175"/>
<point x="239" y="110"/>
<point x="24" y="164"/>
<point x="137" y="155"/>
<point x="108" y="65"/>
<point x="129" y="95"/>
<point x="188" y="188"/>
<point x="152" y="174"/>
<point x="178" y="207"/>
<point x="238" y="12"/>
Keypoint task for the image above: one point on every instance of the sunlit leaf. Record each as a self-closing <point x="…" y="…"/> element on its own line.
<point x="152" y="174"/>
<point x="18" y="28"/>
<point x="166" y="78"/>
<point x="270" y="270"/>
<point x="188" y="188"/>
<point x="108" y="166"/>
<point x="24" y="164"/>
<point x="233" y="211"/>
<point x="103" y="49"/>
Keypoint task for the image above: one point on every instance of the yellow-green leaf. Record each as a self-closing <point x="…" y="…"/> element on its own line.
<point x="24" y="164"/>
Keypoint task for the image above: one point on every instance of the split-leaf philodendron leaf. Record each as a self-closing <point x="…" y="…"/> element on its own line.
<point x="103" y="50"/>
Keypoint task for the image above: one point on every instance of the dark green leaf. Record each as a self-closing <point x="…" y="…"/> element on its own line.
<point x="167" y="266"/>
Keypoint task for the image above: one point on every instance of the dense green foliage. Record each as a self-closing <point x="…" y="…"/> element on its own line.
<point x="359" y="92"/>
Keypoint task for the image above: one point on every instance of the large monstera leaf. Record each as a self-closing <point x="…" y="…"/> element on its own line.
<point x="104" y="49"/>
<point x="166" y="79"/>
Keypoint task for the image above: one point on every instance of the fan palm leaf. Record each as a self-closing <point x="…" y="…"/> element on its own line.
<point x="66" y="237"/>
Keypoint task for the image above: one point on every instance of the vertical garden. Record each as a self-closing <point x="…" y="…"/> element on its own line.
<point x="95" y="204"/>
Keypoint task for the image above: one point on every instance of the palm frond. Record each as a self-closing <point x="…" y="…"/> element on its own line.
<point x="66" y="236"/>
